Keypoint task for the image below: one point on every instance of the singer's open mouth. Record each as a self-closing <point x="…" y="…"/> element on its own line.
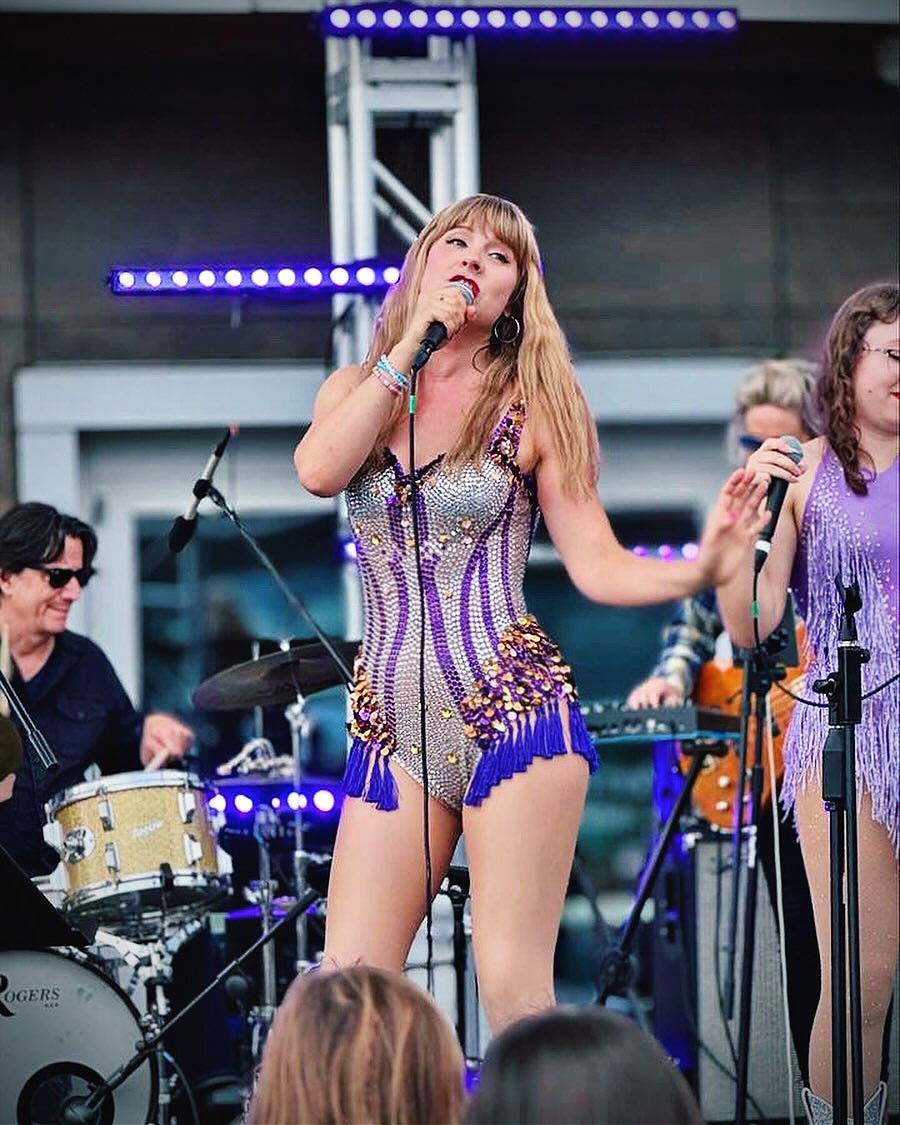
<point x="473" y="285"/>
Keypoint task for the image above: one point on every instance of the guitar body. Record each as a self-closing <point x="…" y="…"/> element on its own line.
<point x="716" y="786"/>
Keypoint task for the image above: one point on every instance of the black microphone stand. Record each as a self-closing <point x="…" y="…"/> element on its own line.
<point x="292" y="599"/>
<point x="763" y="666"/>
<point x="617" y="968"/>
<point x="41" y="746"/>
<point x="843" y="689"/>
<point x="87" y="1110"/>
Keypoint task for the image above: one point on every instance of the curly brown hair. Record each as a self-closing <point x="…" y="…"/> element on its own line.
<point x="843" y="346"/>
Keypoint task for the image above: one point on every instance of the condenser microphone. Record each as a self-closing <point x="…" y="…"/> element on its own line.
<point x="183" y="528"/>
<point x="774" y="500"/>
<point x="437" y="332"/>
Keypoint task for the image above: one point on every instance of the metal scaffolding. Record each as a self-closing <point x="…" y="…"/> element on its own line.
<point x="365" y="93"/>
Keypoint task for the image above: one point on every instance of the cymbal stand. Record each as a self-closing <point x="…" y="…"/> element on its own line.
<point x="301" y="727"/>
<point x="263" y="888"/>
<point x="159" y="975"/>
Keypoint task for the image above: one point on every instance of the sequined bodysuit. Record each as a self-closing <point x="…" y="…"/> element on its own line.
<point x="850" y="536"/>
<point x="496" y="688"/>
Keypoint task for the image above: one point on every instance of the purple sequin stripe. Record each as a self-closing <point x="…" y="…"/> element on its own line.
<point x="851" y="537"/>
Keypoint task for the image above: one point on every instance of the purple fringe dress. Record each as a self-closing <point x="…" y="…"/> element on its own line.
<point x="850" y="536"/>
<point x="496" y="687"/>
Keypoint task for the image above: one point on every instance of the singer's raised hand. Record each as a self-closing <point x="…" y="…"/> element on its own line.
<point x="733" y="525"/>
<point x="446" y="305"/>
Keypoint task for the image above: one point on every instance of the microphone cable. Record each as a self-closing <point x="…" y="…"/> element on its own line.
<point x="420" y="582"/>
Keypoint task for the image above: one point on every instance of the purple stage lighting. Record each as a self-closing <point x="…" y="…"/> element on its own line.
<point x="352" y="277"/>
<point x="217" y="803"/>
<point x="243" y="803"/>
<point x="385" y="19"/>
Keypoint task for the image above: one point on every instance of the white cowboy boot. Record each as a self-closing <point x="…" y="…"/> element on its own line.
<point x="873" y="1111"/>
<point x="818" y="1111"/>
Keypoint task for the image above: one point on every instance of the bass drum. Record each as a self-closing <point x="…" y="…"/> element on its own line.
<point x="64" y="1027"/>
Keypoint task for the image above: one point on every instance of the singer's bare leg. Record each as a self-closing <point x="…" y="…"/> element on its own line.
<point x="376" y="891"/>
<point x="520" y="844"/>
<point x="878" y="931"/>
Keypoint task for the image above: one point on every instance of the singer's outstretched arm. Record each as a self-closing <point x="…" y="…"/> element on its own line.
<point x="736" y="595"/>
<point x="605" y="571"/>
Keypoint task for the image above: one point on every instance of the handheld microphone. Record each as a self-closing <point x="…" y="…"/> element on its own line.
<point x="774" y="500"/>
<point x="10" y="748"/>
<point x="183" y="528"/>
<point x="436" y="333"/>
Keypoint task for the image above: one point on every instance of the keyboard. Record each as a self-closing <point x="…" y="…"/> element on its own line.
<point x="614" y="722"/>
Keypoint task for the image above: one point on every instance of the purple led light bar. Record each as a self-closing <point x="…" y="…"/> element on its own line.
<point x="366" y="20"/>
<point x="301" y="280"/>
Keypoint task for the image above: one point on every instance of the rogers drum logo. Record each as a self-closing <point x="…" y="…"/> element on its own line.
<point x="49" y="997"/>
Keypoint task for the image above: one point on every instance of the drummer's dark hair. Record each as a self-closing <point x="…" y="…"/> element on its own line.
<point x="33" y="534"/>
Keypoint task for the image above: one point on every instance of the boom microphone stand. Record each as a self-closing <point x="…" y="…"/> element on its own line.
<point x="843" y="689"/>
<point x="618" y="968"/>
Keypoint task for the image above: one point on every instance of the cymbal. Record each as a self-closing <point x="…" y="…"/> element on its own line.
<point x="306" y="667"/>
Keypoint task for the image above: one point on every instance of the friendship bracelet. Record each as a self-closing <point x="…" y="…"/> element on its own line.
<point x="385" y="365"/>
<point x="386" y="381"/>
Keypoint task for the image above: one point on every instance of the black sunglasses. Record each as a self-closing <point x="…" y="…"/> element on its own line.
<point x="59" y="576"/>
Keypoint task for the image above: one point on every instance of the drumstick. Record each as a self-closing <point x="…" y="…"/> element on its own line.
<point x="158" y="759"/>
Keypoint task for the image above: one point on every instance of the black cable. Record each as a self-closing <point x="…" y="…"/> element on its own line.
<point x="189" y="1094"/>
<point x="417" y="551"/>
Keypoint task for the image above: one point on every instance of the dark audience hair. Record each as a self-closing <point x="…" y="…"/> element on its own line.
<point x="35" y="534"/>
<point x="356" y="1045"/>
<point x="579" y="1066"/>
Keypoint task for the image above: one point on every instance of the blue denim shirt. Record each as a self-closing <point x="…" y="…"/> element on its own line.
<point x="81" y="708"/>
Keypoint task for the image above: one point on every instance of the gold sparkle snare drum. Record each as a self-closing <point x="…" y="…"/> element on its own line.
<point x="138" y="849"/>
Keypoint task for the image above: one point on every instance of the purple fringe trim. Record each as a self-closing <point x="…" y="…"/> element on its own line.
<point x="368" y="775"/>
<point x="542" y="739"/>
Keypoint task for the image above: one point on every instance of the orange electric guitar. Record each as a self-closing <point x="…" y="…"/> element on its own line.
<point x="720" y="689"/>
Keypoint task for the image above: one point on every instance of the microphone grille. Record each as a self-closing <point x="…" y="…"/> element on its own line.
<point x="466" y="289"/>
<point x="796" y="449"/>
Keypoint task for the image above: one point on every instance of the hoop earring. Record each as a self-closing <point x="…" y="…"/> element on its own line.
<point x="506" y="330"/>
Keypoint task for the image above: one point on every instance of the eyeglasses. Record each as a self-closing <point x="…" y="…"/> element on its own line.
<point x="60" y="576"/>
<point x="891" y="353"/>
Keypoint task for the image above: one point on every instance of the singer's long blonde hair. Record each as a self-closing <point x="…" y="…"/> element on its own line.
<point x="538" y="362"/>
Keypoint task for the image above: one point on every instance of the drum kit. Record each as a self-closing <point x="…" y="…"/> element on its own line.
<point x="141" y="868"/>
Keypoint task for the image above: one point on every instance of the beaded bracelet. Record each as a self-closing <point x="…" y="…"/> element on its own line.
<point x="385" y="372"/>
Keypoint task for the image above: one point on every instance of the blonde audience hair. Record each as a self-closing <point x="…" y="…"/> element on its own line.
<point x="358" y="1045"/>
<point x="536" y="365"/>
<point x="787" y="383"/>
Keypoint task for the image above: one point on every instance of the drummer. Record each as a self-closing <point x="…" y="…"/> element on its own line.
<point x="64" y="680"/>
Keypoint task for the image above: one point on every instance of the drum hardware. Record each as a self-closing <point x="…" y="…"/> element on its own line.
<point x="254" y="756"/>
<point x="86" y="1109"/>
<point x="262" y="893"/>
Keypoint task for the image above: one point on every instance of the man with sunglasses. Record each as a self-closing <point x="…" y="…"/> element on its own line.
<point x="64" y="680"/>
<point x="775" y="397"/>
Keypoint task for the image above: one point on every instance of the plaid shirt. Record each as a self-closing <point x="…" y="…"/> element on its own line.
<point x="689" y="641"/>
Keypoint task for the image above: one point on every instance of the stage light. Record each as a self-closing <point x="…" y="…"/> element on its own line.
<point x="243" y="803"/>
<point x="377" y="19"/>
<point x="276" y="802"/>
<point x="295" y="800"/>
<point x="217" y="803"/>
<point x="352" y="277"/>
<point x="324" y="801"/>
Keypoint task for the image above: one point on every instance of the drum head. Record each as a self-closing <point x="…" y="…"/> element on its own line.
<point x="65" y="1026"/>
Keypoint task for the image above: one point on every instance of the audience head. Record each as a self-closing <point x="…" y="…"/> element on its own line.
<point x="775" y="397"/>
<point x="579" y="1066"/>
<point x="358" y="1044"/>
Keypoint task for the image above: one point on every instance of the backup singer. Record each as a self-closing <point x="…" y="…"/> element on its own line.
<point x="774" y="398"/>
<point x="64" y="680"/>
<point x="840" y="521"/>
<point x="502" y="431"/>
